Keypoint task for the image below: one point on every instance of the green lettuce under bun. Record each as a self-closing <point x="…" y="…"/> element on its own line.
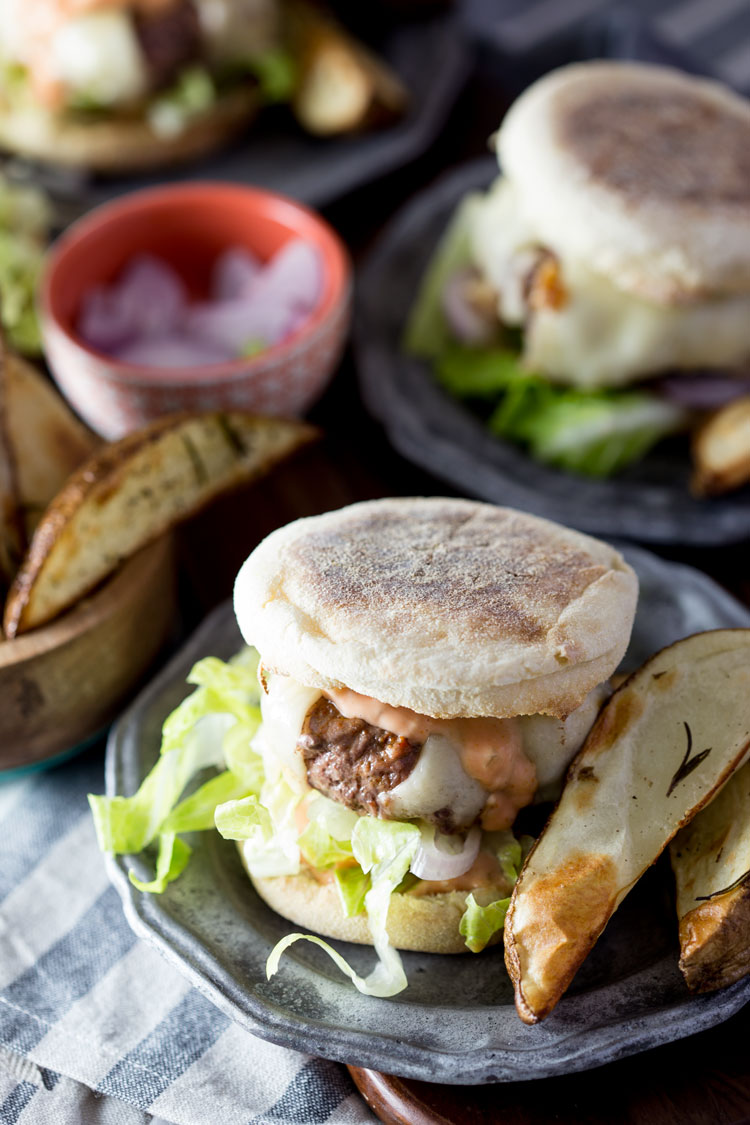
<point x="369" y="859"/>
<point x="595" y="433"/>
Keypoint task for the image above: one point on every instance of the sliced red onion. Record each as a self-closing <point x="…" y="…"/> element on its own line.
<point x="702" y="390"/>
<point x="237" y="324"/>
<point x="173" y="351"/>
<point x="145" y="316"/>
<point x="234" y="272"/>
<point x="294" y="276"/>
<point x="467" y="323"/>
<point x="153" y="295"/>
<point x="432" y="862"/>
<point x="104" y="321"/>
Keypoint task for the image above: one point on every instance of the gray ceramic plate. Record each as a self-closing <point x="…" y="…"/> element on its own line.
<point x="650" y="501"/>
<point x="456" y="1021"/>
<point x="433" y="61"/>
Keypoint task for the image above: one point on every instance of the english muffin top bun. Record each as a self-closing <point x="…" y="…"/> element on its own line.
<point x="448" y="607"/>
<point x="642" y="172"/>
<point x="429" y="667"/>
<point x="617" y="237"/>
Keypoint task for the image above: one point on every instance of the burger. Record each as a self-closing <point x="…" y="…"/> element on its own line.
<point x="428" y="668"/>
<point x="608" y="265"/>
<point x="115" y="85"/>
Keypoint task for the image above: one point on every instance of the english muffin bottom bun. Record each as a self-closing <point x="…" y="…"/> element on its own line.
<point x="618" y="235"/>
<point x="132" y="84"/>
<point x="429" y="667"/>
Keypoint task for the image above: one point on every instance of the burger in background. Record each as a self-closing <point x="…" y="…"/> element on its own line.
<point x="597" y="297"/>
<point x="120" y="85"/>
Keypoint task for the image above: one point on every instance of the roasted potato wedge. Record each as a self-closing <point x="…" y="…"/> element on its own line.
<point x="12" y="535"/>
<point x="711" y="864"/>
<point x="129" y="492"/>
<point x="342" y="86"/>
<point x="663" y="745"/>
<point x="721" y="450"/>
<point x="47" y="439"/>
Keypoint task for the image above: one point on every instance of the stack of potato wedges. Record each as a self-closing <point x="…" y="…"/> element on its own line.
<point x="73" y="508"/>
<point x="663" y="765"/>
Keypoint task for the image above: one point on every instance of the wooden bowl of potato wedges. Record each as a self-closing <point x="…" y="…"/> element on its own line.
<point x="86" y="564"/>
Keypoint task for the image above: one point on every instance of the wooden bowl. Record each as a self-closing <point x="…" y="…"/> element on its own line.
<point x="66" y="681"/>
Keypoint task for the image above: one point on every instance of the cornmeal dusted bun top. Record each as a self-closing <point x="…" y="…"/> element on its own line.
<point x="643" y="172"/>
<point x="449" y="607"/>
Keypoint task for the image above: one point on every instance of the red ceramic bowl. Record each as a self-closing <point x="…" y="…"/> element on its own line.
<point x="189" y="225"/>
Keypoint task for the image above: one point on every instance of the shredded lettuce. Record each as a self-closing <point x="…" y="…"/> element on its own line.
<point x="192" y="93"/>
<point x="266" y="826"/>
<point x="384" y="850"/>
<point x="276" y="73"/>
<point x="320" y="849"/>
<point x="25" y="220"/>
<point x="171" y="861"/>
<point x="196" y="812"/>
<point x="192" y="739"/>
<point x="480" y="923"/>
<point x="352" y="884"/>
<point x="427" y="334"/>
<point x="596" y="433"/>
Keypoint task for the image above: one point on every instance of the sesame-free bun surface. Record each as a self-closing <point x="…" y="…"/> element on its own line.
<point x="449" y="607"/>
<point x="426" y="924"/>
<point x="114" y="144"/>
<point x="642" y="172"/>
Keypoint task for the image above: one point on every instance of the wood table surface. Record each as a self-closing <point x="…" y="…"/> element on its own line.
<point x="704" y="1079"/>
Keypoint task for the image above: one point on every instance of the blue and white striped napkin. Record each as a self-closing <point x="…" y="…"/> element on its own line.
<point x="94" y="1026"/>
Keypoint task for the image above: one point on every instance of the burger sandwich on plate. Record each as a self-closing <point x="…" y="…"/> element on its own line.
<point x="424" y="669"/>
<point x="428" y="668"/>
<point x="115" y="85"/>
<point x="598" y="294"/>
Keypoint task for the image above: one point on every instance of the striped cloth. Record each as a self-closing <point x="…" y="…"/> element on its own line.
<point x="95" y="1028"/>
<point x="710" y="36"/>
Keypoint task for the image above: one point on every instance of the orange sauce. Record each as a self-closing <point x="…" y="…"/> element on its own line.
<point x="491" y="750"/>
<point x="484" y="872"/>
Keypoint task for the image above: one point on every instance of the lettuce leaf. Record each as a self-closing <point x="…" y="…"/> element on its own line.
<point x="478" y="372"/>
<point x="196" y="812"/>
<point x="267" y="827"/>
<point x="384" y="850"/>
<point x="172" y="860"/>
<point x="596" y="433"/>
<point x="192" y="93"/>
<point x="479" y="923"/>
<point x="192" y="739"/>
<point x="427" y="333"/>
<point x="321" y="850"/>
<point x="352" y="884"/>
<point x="25" y="220"/>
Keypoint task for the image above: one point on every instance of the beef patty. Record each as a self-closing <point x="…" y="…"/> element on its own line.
<point x="351" y="761"/>
<point x="170" y="40"/>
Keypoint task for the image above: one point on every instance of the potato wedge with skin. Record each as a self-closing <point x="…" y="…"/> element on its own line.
<point x="662" y="746"/>
<point x="342" y="86"/>
<point x="12" y="535"/>
<point x="721" y="450"/>
<point x="131" y="491"/>
<point x="47" y="439"/>
<point x="711" y="863"/>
